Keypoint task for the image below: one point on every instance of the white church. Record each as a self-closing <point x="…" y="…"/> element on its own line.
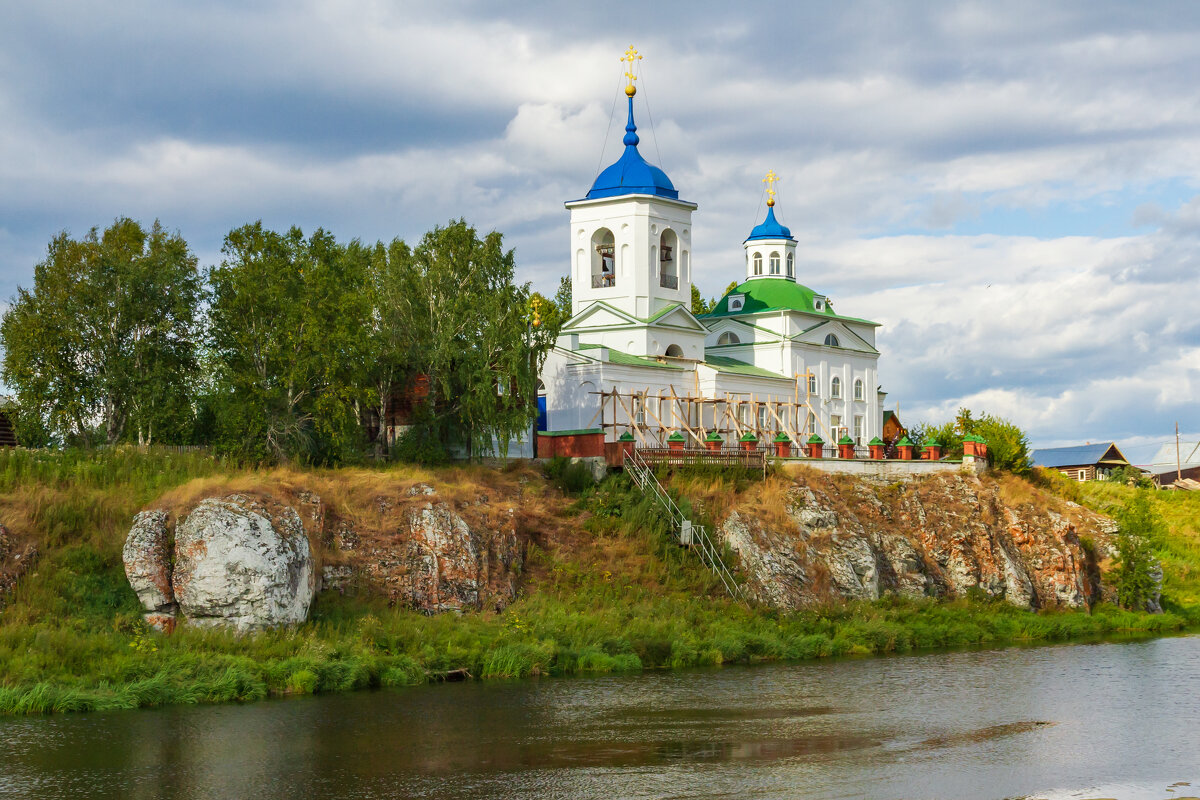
<point x="773" y="359"/>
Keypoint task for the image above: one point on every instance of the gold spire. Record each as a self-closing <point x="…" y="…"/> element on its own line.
<point x="770" y="181"/>
<point x="630" y="56"/>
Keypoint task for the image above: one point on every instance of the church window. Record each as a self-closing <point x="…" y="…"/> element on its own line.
<point x="774" y="263"/>
<point x="758" y="263"/>
<point x="858" y="429"/>
<point x="812" y="384"/>
<point x="791" y="265"/>
<point x="728" y="337"/>
<point x="858" y="389"/>
<point x="674" y="351"/>
<point x="639" y="410"/>
<point x="835" y="387"/>
<point x="818" y="303"/>
<point x="763" y="417"/>
<point x="736" y="301"/>
<point x="835" y="427"/>
<point x="668" y="273"/>
<point x="832" y="341"/>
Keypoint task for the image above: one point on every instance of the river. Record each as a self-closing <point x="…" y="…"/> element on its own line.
<point x="1071" y="721"/>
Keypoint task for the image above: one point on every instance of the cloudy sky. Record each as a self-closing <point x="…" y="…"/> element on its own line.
<point x="1010" y="188"/>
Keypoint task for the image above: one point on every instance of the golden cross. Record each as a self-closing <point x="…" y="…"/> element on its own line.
<point x="770" y="181"/>
<point x="630" y="56"/>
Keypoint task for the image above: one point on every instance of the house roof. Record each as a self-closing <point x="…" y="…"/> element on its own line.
<point x="1078" y="455"/>
<point x="1168" y="454"/>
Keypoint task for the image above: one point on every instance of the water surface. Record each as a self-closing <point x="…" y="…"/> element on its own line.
<point x="1115" y="719"/>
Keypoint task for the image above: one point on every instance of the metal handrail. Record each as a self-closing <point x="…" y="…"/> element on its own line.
<point x="645" y="479"/>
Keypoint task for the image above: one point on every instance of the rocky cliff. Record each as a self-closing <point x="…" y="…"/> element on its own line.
<point x="813" y="538"/>
<point x="255" y="558"/>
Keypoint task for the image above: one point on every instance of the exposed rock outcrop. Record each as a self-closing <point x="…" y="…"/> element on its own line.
<point x="147" y="556"/>
<point x="942" y="535"/>
<point x="252" y="562"/>
<point x="434" y="560"/>
<point x="243" y="563"/>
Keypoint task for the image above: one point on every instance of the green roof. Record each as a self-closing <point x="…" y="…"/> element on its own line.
<point x="776" y="294"/>
<point x="904" y="442"/>
<point x="713" y="437"/>
<point x="676" y="437"/>
<point x="625" y="359"/>
<point x="748" y="436"/>
<point x="735" y="367"/>
<point x="876" y="442"/>
<point x="626" y="437"/>
<point x="846" y="440"/>
<point x="782" y="437"/>
<point x="815" y="439"/>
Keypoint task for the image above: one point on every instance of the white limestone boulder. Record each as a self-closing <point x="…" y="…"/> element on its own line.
<point x="147" y="556"/>
<point x="243" y="564"/>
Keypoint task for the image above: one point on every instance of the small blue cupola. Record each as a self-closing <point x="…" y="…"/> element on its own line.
<point x="770" y="248"/>
<point x="770" y="228"/>
<point x="632" y="174"/>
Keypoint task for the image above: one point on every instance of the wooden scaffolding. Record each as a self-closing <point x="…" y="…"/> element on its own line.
<point x="652" y="416"/>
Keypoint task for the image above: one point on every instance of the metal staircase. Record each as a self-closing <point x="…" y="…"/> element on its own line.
<point x="690" y="535"/>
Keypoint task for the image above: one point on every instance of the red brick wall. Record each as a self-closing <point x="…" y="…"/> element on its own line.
<point x="578" y="445"/>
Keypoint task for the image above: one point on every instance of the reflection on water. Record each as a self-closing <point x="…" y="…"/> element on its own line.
<point x="1119" y="720"/>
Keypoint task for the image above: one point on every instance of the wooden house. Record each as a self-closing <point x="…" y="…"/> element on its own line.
<point x="1083" y="462"/>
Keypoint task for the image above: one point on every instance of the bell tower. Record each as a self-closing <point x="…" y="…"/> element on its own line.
<point x="631" y="235"/>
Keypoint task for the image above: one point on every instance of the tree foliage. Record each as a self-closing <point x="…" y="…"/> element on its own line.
<point x="103" y="347"/>
<point x="1139" y="534"/>
<point x="1008" y="446"/>
<point x="468" y="328"/>
<point x="289" y="339"/>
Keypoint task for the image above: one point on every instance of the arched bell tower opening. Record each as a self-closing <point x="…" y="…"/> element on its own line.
<point x="668" y="260"/>
<point x="604" y="259"/>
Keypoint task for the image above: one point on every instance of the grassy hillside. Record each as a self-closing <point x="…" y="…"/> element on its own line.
<point x="1180" y="554"/>
<point x="605" y="589"/>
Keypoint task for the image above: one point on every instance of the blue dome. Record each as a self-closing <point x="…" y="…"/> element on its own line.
<point x="632" y="174"/>
<point x="770" y="228"/>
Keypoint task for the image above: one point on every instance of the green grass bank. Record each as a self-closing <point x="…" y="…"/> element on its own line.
<point x="609" y="593"/>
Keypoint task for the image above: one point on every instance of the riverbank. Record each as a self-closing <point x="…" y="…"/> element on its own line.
<point x="603" y="590"/>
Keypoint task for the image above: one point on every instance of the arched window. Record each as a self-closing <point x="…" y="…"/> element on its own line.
<point x="835" y="387"/>
<point x="604" y="259"/>
<point x="791" y="265"/>
<point x="674" y="351"/>
<point x="858" y="389"/>
<point x="728" y="337"/>
<point x="668" y="272"/>
<point x="832" y="341"/>
<point x="774" y="263"/>
<point x="758" y="263"/>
